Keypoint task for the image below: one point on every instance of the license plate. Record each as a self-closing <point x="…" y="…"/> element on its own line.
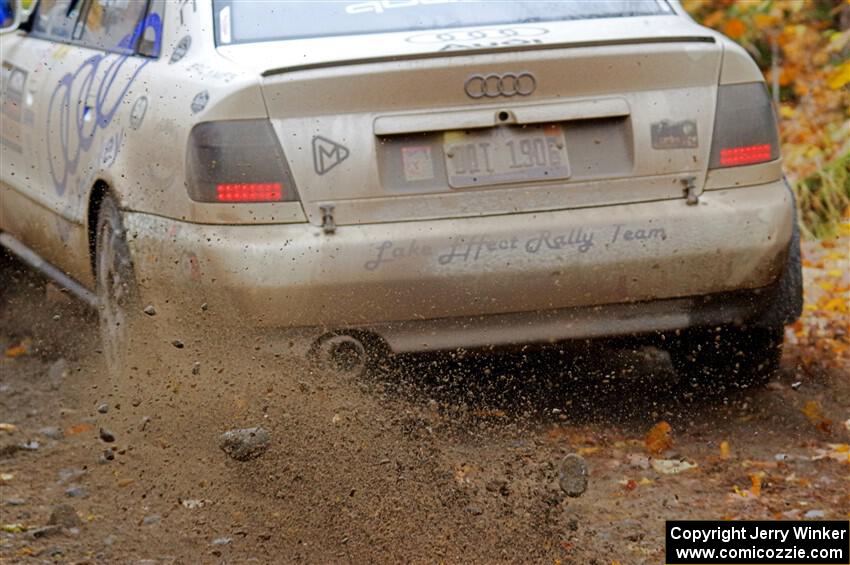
<point x="505" y="155"/>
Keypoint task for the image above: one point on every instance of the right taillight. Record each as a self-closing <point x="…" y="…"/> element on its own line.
<point x="744" y="126"/>
<point x="237" y="161"/>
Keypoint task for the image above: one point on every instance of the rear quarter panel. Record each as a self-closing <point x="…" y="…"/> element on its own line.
<point x="135" y="145"/>
<point x="188" y="84"/>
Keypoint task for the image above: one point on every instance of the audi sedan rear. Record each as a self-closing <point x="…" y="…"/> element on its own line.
<point x="435" y="175"/>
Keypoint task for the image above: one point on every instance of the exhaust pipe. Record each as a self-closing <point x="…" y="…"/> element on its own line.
<point x="344" y="354"/>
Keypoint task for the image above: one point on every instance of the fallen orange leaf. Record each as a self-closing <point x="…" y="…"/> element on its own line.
<point x="659" y="438"/>
<point x="78" y="429"/>
<point x="814" y="414"/>
<point x="18" y="350"/>
<point x="724" y="449"/>
<point x="837" y="305"/>
<point x="755" y="479"/>
<point x="812" y="411"/>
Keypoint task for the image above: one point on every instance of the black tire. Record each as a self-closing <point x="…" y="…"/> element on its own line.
<point x="786" y="300"/>
<point x="727" y="358"/>
<point x="8" y="268"/>
<point x="117" y="289"/>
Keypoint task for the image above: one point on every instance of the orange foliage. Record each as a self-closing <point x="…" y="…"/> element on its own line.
<point x="734" y="28"/>
<point x="805" y="43"/>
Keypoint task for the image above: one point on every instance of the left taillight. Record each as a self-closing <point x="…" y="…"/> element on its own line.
<point x="744" y="126"/>
<point x="236" y="161"/>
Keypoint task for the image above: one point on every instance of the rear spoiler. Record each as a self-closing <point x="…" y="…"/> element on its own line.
<point x="490" y="50"/>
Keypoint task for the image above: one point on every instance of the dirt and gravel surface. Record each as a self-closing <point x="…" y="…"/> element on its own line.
<point x="442" y="459"/>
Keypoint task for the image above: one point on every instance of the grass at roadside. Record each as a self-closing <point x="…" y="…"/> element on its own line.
<point x="803" y="49"/>
<point x="824" y="199"/>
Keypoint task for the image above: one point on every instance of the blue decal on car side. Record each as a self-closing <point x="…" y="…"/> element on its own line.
<point x="66" y="164"/>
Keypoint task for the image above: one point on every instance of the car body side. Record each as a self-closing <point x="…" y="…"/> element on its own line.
<point x="63" y="162"/>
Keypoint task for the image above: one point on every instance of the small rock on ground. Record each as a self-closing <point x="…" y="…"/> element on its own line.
<point x="65" y="516"/>
<point x="58" y="370"/>
<point x="244" y="444"/>
<point x="76" y="492"/>
<point x="151" y="520"/>
<point x="572" y="476"/>
<point x="474" y="509"/>
<point x="52" y="432"/>
<point x="70" y="475"/>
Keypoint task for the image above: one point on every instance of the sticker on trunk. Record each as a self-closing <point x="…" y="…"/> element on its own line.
<point x="674" y="135"/>
<point x="327" y="154"/>
<point x="417" y="162"/>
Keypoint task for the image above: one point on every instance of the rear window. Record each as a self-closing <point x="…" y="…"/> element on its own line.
<point x="243" y="21"/>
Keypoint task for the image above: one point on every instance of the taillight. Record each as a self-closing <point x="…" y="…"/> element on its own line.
<point x="249" y="192"/>
<point x="744" y="126"/>
<point x="237" y="161"/>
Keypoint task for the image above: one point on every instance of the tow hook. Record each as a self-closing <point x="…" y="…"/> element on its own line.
<point x="691" y="191"/>
<point x="328" y="224"/>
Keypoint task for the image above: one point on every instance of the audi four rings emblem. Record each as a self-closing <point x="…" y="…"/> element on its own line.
<point x="494" y="85"/>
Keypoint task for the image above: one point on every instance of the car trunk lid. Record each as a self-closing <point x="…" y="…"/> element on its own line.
<point x="603" y="114"/>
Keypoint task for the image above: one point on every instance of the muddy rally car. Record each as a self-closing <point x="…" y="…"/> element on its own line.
<point x="402" y="176"/>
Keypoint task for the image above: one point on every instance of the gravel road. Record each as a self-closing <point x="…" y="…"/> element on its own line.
<point x="441" y="459"/>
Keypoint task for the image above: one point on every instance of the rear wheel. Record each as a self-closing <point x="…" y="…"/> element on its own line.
<point x="116" y="287"/>
<point x="727" y="358"/>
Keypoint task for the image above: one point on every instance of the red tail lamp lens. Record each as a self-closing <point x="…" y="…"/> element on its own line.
<point x="747" y="155"/>
<point x="249" y="192"/>
<point x="237" y="161"/>
<point x="744" y="126"/>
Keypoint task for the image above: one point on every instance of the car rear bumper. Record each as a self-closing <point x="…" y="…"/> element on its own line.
<point x="491" y="280"/>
